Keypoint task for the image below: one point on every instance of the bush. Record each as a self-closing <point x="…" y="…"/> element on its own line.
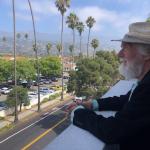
<point x="1" y="118"/>
<point x="51" y="97"/>
<point x="45" y="100"/>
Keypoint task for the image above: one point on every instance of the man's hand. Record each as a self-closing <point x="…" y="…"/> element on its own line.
<point x="87" y="104"/>
<point x="72" y="106"/>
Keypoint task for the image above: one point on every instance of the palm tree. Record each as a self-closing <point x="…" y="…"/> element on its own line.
<point x="71" y="48"/>
<point x="26" y="36"/>
<point x="80" y="28"/>
<point x="59" y="48"/>
<point x="89" y="22"/>
<point x="18" y="36"/>
<point x="94" y="44"/>
<point x="48" y="48"/>
<point x="36" y="55"/>
<point x="72" y="21"/>
<point x="62" y="6"/>
<point x="4" y="41"/>
<point x="15" y="73"/>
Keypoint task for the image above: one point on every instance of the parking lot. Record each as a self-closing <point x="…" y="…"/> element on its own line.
<point x="34" y="88"/>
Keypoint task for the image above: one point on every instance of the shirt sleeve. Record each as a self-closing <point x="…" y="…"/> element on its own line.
<point x="110" y="130"/>
<point x="112" y="103"/>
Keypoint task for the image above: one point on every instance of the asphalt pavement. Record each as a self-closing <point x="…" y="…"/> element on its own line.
<point x="37" y="131"/>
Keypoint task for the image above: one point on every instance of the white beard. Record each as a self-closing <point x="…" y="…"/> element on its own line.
<point x="132" y="70"/>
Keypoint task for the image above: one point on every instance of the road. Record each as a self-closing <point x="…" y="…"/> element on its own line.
<point x="35" y="134"/>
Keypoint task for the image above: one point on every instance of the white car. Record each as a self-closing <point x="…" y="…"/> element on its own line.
<point x="32" y="95"/>
<point x="44" y="90"/>
<point x="5" y="90"/>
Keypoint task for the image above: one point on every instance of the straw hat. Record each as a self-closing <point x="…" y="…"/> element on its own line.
<point x="139" y="32"/>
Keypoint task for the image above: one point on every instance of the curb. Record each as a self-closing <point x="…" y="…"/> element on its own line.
<point x="26" y="113"/>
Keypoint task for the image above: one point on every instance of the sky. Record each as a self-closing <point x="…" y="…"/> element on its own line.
<point x="112" y="17"/>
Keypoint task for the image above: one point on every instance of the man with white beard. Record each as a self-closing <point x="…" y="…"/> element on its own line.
<point x="130" y="127"/>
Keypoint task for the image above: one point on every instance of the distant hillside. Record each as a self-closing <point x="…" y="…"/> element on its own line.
<point x="24" y="46"/>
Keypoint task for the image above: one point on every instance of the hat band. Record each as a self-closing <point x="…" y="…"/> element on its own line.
<point x="134" y="39"/>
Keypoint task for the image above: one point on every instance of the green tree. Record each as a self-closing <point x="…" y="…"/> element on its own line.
<point x="50" y="66"/>
<point x="62" y="6"/>
<point x="22" y="97"/>
<point x="5" y="70"/>
<point x="80" y="28"/>
<point x="94" y="76"/>
<point x="94" y="44"/>
<point x="71" y="87"/>
<point x="48" y="48"/>
<point x="25" y="69"/>
<point x="89" y="22"/>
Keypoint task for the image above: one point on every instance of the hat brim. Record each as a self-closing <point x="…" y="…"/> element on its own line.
<point x="119" y="40"/>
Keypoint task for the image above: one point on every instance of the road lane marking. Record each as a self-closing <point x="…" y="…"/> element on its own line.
<point x="43" y="134"/>
<point x="30" y="125"/>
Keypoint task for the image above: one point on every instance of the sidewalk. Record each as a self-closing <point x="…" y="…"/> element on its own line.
<point x="26" y="113"/>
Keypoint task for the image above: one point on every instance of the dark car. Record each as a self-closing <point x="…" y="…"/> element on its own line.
<point x="26" y="84"/>
<point x="3" y="106"/>
<point x="54" y="79"/>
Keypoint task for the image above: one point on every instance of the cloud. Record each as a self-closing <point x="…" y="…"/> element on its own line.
<point x="42" y="7"/>
<point x="106" y="17"/>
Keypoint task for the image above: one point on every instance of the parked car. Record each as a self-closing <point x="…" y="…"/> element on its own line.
<point x="55" y="87"/>
<point x="46" y="81"/>
<point x="5" y="90"/>
<point x="65" y="77"/>
<point x="26" y="84"/>
<point x="54" y="79"/>
<point x="44" y="90"/>
<point x="3" y="106"/>
<point x="32" y="95"/>
<point x="34" y="83"/>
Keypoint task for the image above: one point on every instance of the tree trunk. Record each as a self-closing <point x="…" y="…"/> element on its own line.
<point x="36" y="55"/>
<point x="88" y="43"/>
<point x="20" y="107"/>
<point x="73" y="48"/>
<point x="14" y="45"/>
<point x="94" y="54"/>
<point x="80" y="43"/>
<point x="62" y="73"/>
